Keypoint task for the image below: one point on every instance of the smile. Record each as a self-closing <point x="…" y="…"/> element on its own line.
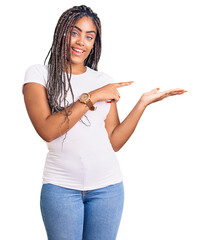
<point x="78" y="50"/>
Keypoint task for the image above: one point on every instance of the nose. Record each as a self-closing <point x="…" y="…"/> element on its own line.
<point x="80" y="41"/>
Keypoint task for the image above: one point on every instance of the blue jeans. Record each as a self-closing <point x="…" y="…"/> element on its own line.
<point x="70" y="214"/>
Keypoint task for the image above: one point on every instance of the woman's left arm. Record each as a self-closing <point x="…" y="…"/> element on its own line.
<point x="119" y="133"/>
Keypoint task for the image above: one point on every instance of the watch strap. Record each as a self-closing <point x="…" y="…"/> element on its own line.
<point x="87" y="102"/>
<point x="90" y="105"/>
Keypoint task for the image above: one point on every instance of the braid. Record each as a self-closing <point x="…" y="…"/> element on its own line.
<point x="58" y="79"/>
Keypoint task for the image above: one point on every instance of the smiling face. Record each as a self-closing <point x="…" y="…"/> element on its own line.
<point x="82" y="41"/>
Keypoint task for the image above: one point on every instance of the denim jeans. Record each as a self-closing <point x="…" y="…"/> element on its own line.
<point x="70" y="214"/>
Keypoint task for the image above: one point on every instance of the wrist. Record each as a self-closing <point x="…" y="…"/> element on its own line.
<point x="93" y="97"/>
<point x="141" y="104"/>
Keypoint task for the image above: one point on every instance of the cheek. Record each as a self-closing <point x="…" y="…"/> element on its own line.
<point x="90" y="46"/>
<point x="73" y="41"/>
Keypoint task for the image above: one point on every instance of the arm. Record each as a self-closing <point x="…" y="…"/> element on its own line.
<point x="119" y="133"/>
<point x="51" y="126"/>
<point x="48" y="126"/>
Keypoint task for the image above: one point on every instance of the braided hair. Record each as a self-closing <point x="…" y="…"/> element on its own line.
<point x="57" y="82"/>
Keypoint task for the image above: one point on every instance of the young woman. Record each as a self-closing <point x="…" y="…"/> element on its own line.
<point x="73" y="108"/>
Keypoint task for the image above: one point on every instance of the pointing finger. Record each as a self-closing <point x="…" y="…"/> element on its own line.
<point x="123" y="84"/>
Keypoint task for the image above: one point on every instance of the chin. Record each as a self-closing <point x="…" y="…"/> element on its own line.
<point x="76" y="62"/>
<point x="78" y="59"/>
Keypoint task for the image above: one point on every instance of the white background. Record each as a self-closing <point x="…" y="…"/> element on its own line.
<point x="165" y="162"/>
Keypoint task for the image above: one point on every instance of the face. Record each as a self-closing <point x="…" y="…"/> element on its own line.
<point x="82" y="40"/>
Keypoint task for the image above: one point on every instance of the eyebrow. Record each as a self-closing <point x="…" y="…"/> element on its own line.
<point x="81" y="30"/>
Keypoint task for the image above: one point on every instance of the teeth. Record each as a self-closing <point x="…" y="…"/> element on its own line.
<point x="78" y="50"/>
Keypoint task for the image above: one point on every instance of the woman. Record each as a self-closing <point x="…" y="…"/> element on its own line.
<point x="73" y="108"/>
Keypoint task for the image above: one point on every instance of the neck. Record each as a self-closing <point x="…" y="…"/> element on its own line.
<point x="77" y="68"/>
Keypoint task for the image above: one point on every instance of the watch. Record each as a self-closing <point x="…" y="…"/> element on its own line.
<point x="85" y="98"/>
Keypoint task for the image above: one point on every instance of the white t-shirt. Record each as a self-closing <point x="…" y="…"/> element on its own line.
<point x="86" y="159"/>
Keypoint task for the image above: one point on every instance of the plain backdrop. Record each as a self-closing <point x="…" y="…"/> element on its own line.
<point x="165" y="163"/>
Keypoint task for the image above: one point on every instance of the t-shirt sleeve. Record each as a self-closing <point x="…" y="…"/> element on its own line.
<point x="35" y="73"/>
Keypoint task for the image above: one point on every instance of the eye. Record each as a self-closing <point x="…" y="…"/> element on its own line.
<point x="90" y="38"/>
<point x="74" y="33"/>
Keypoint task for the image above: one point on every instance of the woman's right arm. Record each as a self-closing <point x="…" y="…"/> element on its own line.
<point x="51" y="126"/>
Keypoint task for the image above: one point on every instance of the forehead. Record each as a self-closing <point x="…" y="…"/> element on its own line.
<point x="86" y="24"/>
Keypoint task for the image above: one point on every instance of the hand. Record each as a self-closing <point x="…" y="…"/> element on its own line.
<point x="154" y="95"/>
<point x="108" y="92"/>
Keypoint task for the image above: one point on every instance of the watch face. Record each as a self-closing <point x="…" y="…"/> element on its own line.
<point x="84" y="97"/>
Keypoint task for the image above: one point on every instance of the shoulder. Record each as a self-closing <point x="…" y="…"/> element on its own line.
<point x="37" y="68"/>
<point x="36" y="73"/>
<point x="101" y="76"/>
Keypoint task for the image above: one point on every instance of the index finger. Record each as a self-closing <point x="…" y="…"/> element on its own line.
<point x="123" y="84"/>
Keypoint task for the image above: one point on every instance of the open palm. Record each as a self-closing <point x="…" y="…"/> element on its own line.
<point x="154" y="96"/>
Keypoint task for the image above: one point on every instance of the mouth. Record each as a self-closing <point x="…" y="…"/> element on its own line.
<point x="77" y="51"/>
